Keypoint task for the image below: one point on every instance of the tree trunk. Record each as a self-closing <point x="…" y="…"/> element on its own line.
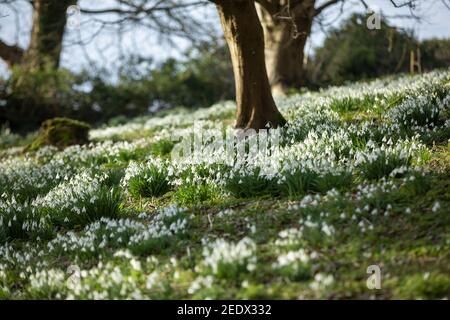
<point x="34" y="103"/>
<point x="285" y="32"/>
<point x="49" y="21"/>
<point x="244" y="35"/>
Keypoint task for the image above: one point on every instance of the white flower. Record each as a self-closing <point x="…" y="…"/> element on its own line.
<point x="436" y="206"/>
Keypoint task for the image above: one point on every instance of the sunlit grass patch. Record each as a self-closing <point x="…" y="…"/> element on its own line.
<point x="251" y="184"/>
<point x="147" y="180"/>
<point x="426" y="285"/>
<point x="191" y="194"/>
<point x="228" y="260"/>
<point x="162" y="147"/>
<point x="377" y="162"/>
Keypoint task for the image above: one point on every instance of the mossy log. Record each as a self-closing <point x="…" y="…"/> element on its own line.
<point x="61" y="133"/>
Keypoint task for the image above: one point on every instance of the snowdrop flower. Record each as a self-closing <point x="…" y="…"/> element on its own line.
<point x="436" y="206"/>
<point x="321" y="281"/>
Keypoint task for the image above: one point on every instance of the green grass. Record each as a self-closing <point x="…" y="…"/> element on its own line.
<point x="152" y="182"/>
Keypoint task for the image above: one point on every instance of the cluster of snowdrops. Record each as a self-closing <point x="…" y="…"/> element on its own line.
<point x="124" y="214"/>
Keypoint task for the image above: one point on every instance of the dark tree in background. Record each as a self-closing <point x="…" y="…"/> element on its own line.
<point x="435" y="53"/>
<point x="38" y="88"/>
<point x="352" y="52"/>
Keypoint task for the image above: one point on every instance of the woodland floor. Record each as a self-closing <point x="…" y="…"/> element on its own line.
<point x="361" y="178"/>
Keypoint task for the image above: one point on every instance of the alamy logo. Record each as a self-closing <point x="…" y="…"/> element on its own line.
<point x="374" y="280"/>
<point x="224" y="146"/>
<point x="373" y="21"/>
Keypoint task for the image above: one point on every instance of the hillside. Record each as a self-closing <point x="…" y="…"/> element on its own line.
<point x="359" y="177"/>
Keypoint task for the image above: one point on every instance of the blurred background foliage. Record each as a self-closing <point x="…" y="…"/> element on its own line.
<point x="202" y="77"/>
<point x="352" y="53"/>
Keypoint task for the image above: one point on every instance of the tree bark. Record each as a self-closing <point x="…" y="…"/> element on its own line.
<point x="286" y="30"/>
<point x="11" y="54"/>
<point x="49" y="21"/>
<point x="244" y="35"/>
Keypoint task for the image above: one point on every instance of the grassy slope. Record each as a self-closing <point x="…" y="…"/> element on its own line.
<point x="401" y="225"/>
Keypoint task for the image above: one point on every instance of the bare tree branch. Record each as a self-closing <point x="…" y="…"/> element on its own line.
<point x="326" y="5"/>
<point x="166" y="17"/>
<point x="135" y="10"/>
<point x="410" y="3"/>
<point x="11" y="54"/>
<point x="444" y="2"/>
